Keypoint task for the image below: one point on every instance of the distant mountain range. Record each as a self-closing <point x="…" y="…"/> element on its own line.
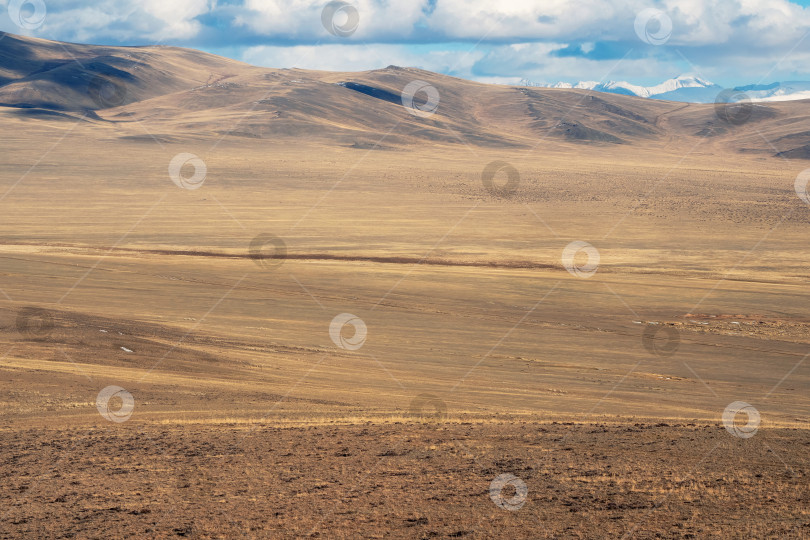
<point x="690" y="89"/>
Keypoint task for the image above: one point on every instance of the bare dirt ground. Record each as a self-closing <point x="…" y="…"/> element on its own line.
<point x="248" y="419"/>
<point x="405" y="480"/>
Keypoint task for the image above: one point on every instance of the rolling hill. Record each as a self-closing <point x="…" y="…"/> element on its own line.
<point x="178" y="94"/>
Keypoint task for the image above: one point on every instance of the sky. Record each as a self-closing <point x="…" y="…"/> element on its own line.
<point x="729" y="42"/>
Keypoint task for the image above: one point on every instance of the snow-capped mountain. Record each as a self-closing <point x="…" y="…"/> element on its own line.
<point x="667" y="89"/>
<point x="786" y="91"/>
<point x="690" y="89"/>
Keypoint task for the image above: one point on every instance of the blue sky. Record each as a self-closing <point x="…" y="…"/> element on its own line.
<point x="730" y="42"/>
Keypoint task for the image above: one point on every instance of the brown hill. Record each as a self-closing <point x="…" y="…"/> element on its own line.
<point x="36" y="73"/>
<point x="185" y="94"/>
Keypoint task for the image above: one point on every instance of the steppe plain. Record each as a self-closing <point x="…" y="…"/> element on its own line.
<point x="484" y="355"/>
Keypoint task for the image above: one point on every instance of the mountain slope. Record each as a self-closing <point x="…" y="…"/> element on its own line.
<point x="173" y="94"/>
<point x="36" y="73"/>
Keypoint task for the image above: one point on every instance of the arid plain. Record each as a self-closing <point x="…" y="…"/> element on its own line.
<point x="484" y="356"/>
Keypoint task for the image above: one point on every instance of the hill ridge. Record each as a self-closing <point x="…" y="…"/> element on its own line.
<point x="183" y="94"/>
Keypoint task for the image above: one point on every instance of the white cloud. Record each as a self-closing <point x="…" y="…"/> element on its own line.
<point x="518" y="38"/>
<point x="177" y="16"/>
<point x="302" y="18"/>
<point x="536" y="62"/>
<point x="695" y="22"/>
<point x="522" y="19"/>
<point x="147" y="21"/>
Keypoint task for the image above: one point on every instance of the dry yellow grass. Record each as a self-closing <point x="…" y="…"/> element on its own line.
<point x="490" y="288"/>
<point x="476" y="332"/>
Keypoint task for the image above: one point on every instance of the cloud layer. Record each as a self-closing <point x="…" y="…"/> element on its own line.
<point x="542" y="40"/>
